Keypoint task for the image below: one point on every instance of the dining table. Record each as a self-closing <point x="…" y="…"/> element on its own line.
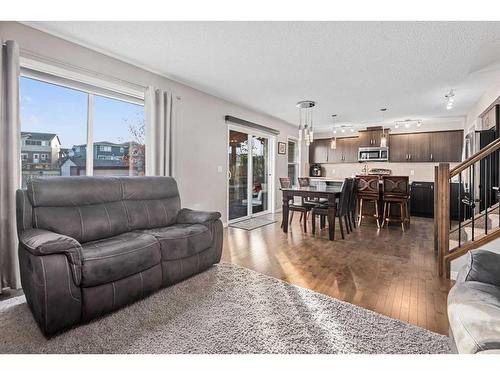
<point x="330" y="192"/>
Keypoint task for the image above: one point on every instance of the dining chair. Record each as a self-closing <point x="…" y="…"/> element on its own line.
<point x="368" y="189"/>
<point x="396" y="191"/>
<point x="342" y="209"/>
<point x="303" y="207"/>
<point x="305" y="182"/>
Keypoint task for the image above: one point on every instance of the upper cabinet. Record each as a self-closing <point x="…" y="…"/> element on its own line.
<point x="445" y="146"/>
<point x="369" y="138"/>
<point x="318" y="151"/>
<point x="345" y="152"/>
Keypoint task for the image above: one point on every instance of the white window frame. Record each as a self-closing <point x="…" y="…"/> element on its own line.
<point x="51" y="73"/>
<point x="37" y="157"/>
<point x="44" y="157"/>
<point x="24" y="156"/>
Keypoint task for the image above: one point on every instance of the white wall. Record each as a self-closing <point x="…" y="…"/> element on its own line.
<point x="200" y="130"/>
<point x="488" y="97"/>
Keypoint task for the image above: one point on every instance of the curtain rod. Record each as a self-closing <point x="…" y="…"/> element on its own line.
<point x="239" y="121"/>
<point x="44" y="59"/>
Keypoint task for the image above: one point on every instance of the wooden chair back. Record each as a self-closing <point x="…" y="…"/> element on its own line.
<point x="396" y="186"/>
<point x="285" y="182"/>
<point x="367" y="185"/>
<point x="304" y="181"/>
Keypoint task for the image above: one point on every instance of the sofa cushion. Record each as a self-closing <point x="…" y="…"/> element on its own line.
<point x="474" y="315"/>
<point x="150" y="202"/>
<point x="117" y="257"/>
<point x="181" y="240"/>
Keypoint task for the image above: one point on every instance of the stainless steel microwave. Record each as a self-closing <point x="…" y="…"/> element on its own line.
<point x="373" y="154"/>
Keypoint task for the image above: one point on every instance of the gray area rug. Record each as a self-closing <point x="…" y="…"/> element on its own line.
<point x="253" y="223"/>
<point x="226" y="309"/>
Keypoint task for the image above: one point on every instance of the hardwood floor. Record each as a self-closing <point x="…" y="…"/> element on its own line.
<point x="388" y="271"/>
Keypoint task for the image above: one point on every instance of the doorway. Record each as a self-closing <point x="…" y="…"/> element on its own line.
<point x="249" y="174"/>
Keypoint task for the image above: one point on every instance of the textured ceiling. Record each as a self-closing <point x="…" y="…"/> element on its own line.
<point x="350" y="68"/>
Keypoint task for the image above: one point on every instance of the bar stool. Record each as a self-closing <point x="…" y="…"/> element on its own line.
<point x="396" y="191"/>
<point x="368" y="190"/>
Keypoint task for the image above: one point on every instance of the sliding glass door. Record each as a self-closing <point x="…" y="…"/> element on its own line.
<point x="248" y="174"/>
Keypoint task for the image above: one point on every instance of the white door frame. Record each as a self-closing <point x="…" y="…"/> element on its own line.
<point x="270" y="178"/>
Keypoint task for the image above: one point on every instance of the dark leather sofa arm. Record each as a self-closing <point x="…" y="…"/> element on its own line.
<point x="187" y="216"/>
<point x="43" y="242"/>
<point x="482" y="266"/>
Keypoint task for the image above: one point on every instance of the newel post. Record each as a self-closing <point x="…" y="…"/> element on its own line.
<point x="442" y="215"/>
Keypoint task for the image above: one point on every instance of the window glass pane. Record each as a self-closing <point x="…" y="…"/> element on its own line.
<point x="53" y="121"/>
<point x="291" y="152"/>
<point x="119" y="138"/>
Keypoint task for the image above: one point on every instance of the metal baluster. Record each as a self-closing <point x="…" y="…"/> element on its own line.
<point x="459" y="210"/>
<point x="473" y="198"/>
<point x="486" y="189"/>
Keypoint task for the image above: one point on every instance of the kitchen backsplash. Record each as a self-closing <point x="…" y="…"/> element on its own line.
<point x="416" y="171"/>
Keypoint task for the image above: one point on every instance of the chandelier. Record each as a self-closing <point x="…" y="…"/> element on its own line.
<point x="306" y="121"/>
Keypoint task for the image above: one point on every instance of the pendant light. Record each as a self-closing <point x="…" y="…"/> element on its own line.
<point x="383" y="139"/>
<point x="333" y="142"/>
<point x="306" y="131"/>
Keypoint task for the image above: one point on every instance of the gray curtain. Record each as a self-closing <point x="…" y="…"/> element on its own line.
<point x="10" y="164"/>
<point x="158" y="110"/>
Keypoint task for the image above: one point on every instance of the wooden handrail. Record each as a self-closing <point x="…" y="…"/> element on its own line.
<point x="443" y="176"/>
<point x="492" y="147"/>
<point x="462" y="250"/>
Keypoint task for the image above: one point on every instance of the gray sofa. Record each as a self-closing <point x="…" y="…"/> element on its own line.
<point x="90" y="245"/>
<point x="474" y="305"/>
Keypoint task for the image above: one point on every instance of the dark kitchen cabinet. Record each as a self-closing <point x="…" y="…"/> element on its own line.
<point x="369" y="138"/>
<point x="318" y="151"/>
<point x="443" y="146"/>
<point x="422" y="199"/>
<point x="446" y="146"/>
<point x="346" y="151"/>
<point x="398" y="152"/>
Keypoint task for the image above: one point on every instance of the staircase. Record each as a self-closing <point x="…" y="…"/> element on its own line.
<point x="478" y="219"/>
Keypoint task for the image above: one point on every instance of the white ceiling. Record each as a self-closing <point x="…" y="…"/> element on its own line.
<point x="349" y="68"/>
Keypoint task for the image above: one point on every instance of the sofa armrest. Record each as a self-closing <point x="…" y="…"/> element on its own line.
<point x="43" y="242"/>
<point x="482" y="266"/>
<point x="187" y="216"/>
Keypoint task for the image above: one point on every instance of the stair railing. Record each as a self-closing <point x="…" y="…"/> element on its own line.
<point x="472" y="183"/>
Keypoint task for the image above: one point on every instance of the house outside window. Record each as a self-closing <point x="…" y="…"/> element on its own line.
<point x="58" y="146"/>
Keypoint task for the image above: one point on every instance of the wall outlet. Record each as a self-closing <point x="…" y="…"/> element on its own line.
<point x="332" y="171"/>
<point x="219" y="169"/>
<point x="412" y="172"/>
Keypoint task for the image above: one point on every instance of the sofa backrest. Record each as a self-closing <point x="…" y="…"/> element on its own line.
<point x="93" y="208"/>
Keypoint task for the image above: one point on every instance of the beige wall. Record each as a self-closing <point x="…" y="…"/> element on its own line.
<point x="200" y="134"/>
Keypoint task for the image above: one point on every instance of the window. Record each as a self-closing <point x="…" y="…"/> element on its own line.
<point x="54" y="117"/>
<point x="293" y="161"/>
<point x="121" y="124"/>
<point x="30" y="142"/>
